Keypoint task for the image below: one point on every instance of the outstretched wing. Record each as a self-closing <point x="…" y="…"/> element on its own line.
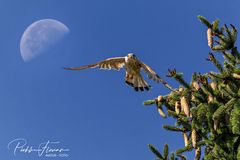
<point x="110" y="63"/>
<point x="151" y="74"/>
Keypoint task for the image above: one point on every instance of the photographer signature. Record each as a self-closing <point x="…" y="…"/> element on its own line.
<point x="48" y="148"/>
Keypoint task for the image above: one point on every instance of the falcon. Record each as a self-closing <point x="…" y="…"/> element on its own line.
<point x="133" y="67"/>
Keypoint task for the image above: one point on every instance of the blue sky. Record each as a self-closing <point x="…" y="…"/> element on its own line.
<point x="93" y="113"/>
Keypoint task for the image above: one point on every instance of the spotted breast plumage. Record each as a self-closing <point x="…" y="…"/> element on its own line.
<point x="133" y="68"/>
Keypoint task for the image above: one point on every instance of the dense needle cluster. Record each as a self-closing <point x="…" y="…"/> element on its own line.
<point x="207" y="110"/>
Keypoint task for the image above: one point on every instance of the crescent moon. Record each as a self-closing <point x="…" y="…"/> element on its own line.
<point x="39" y="36"/>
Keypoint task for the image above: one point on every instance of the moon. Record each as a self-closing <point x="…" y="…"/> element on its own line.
<point x="40" y="36"/>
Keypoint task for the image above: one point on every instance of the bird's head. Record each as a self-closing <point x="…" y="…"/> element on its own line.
<point x="131" y="56"/>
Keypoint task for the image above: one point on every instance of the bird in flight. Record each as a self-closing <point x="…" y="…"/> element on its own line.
<point x="133" y="68"/>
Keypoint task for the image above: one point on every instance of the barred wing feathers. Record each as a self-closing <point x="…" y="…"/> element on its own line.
<point x="110" y="63"/>
<point x="154" y="76"/>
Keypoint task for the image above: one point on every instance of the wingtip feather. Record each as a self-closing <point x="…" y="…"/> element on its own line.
<point x="66" y="68"/>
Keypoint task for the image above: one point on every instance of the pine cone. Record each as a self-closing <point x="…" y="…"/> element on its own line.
<point x="159" y="98"/>
<point x="210" y="37"/>
<point x="197" y="153"/>
<point x="235" y="75"/>
<point x="185" y="106"/>
<point x="193" y="98"/>
<point x="160" y="111"/>
<point x="210" y="99"/>
<point x="190" y="115"/>
<point x="185" y="138"/>
<point x="213" y="85"/>
<point x="196" y="85"/>
<point x="215" y="124"/>
<point x="180" y="89"/>
<point x="177" y="107"/>
<point x="194" y="138"/>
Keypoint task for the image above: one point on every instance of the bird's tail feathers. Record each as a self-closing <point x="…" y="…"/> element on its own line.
<point x="137" y="82"/>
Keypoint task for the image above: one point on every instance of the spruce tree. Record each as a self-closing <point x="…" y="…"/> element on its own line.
<point x="207" y="109"/>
